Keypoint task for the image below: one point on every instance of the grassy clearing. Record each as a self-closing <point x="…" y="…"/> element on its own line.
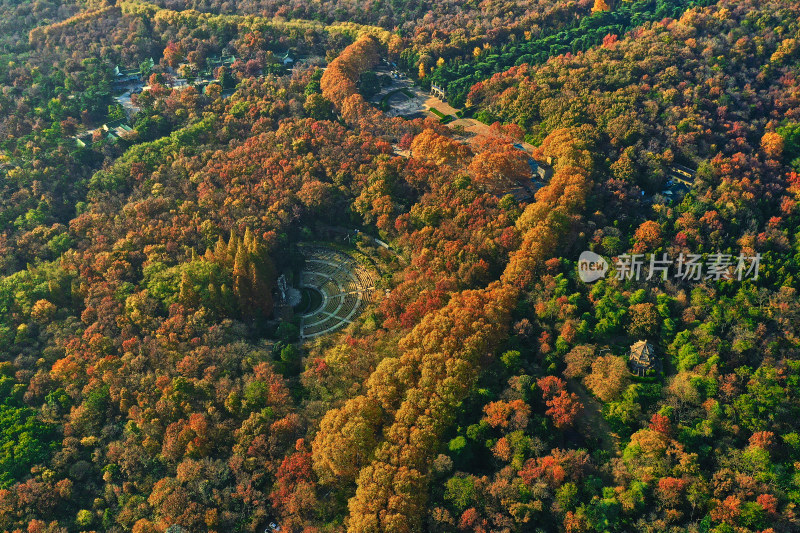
<point x="444" y="119"/>
<point x="310" y="300"/>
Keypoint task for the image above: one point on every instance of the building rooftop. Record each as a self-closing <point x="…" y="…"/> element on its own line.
<point x="642" y="357"/>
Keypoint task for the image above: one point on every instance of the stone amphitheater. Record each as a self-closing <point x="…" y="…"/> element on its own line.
<point x="346" y="288"/>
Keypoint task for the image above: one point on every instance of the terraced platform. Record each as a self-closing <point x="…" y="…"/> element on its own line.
<point x="346" y="288"/>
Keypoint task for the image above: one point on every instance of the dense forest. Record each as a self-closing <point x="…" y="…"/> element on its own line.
<point x="164" y="165"/>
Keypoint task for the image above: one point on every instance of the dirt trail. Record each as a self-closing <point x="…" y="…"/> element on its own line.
<point x="592" y="420"/>
<point x="477" y="128"/>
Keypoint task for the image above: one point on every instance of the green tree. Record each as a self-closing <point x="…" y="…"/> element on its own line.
<point x="24" y="439"/>
<point x="460" y="491"/>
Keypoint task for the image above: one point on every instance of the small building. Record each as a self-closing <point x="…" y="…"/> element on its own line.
<point x="83" y="140"/>
<point x="675" y="189"/>
<point x="287" y="60"/>
<point x="110" y="132"/>
<point x="643" y="358"/>
<point x="213" y="62"/>
<point x="681" y="174"/>
<point x="125" y="76"/>
<point x="540" y="170"/>
<point x="537" y="169"/>
<point x="122" y="130"/>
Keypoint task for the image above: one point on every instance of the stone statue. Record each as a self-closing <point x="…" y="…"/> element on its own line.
<point x="283" y="287"/>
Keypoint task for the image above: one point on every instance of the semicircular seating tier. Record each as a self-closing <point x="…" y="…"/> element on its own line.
<point x="346" y="286"/>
